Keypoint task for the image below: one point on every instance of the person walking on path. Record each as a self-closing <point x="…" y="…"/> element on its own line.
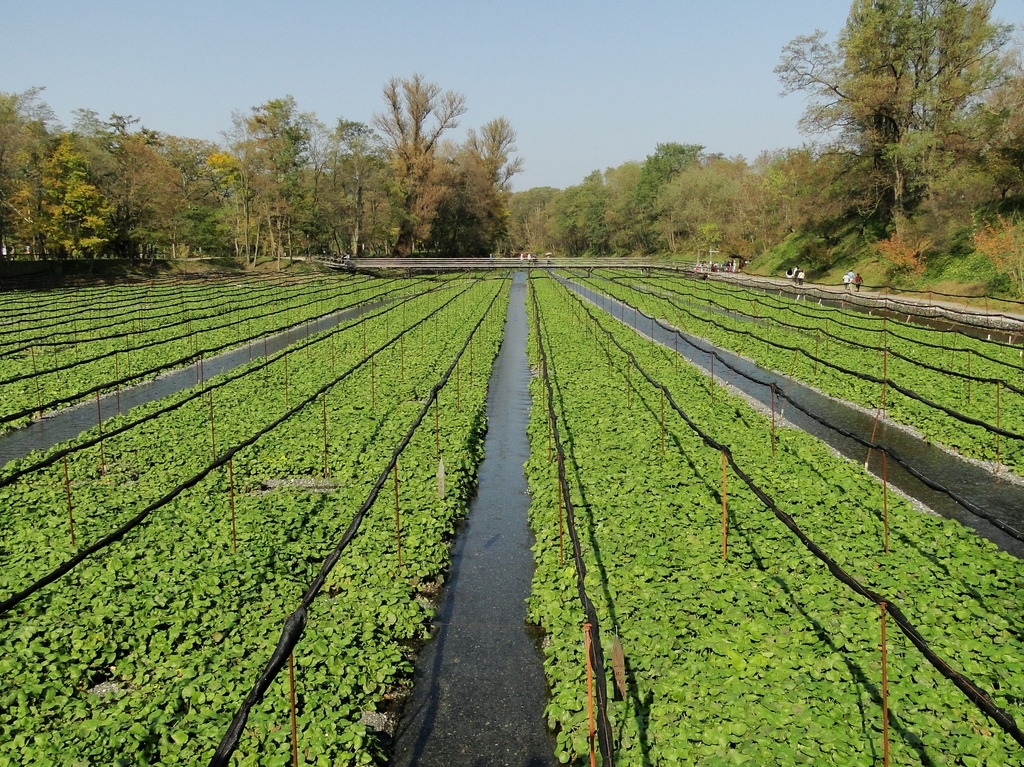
<point x="858" y="281"/>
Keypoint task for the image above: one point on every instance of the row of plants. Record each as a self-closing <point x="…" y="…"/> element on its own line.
<point x="819" y="356"/>
<point x="64" y="312"/>
<point x="758" y="656"/>
<point x="188" y="304"/>
<point x="65" y="373"/>
<point x="279" y="383"/>
<point x="880" y="324"/>
<point x="142" y="654"/>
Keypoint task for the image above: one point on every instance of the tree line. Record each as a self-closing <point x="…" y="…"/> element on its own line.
<point x="915" y="156"/>
<point x="281" y="184"/>
<point x="915" y="121"/>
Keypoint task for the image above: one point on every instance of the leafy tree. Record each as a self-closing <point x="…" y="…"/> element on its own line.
<point x="628" y="228"/>
<point x="698" y="202"/>
<point x="657" y="170"/>
<point x="579" y="221"/>
<point x="357" y="176"/>
<point x="192" y="207"/>
<point x="904" y="254"/>
<point x="529" y="220"/>
<point x="280" y="137"/>
<point x="899" y="88"/>
<point x="487" y="160"/>
<point x="25" y="127"/>
<point x="418" y="114"/>
<point x="76" y="221"/>
<point x="1002" y="243"/>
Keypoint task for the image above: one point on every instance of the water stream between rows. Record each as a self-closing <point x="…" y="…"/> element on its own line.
<point x="61" y="425"/>
<point x="479" y="691"/>
<point x="997" y="495"/>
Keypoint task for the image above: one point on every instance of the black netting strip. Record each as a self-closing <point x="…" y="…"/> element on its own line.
<point x="243" y="302"/>
<point x="153" y="371"/>
<point x="182" y="304"/>
<point x="886" y="289"/>
<point x="200" y="391"/>
<point x="80" y="303"/>
<point x="188" y="334"/>
<point x="887" y="327"/>
<point x="964" y="503"/>
<point x="909" y="393"/>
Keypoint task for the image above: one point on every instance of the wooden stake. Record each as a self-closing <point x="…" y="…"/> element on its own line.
<point x="561" y="524"/>
<point x="885" y="498"/>
<point x="99" y="426"/>
<point x="662" y="422"/>
<point x="35" y="380"/>
<point x="117" y="385"/>
<point x="711" y="381"/>
<point x="999" y="388"/>
<point x="323" y="399"/>
<point x="590" y="696"/>
<point x="437" y="427"/>
<point x="295" y="728"/>
<point x="213" y="433"/>
<point x="287" y="399"/>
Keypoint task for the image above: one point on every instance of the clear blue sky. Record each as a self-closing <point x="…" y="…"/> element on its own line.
<point x="587" y="85"/>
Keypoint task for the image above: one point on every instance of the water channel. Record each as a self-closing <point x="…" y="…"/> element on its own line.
<point x="479" y="691"/>
<point x="997" y="495"/>
<point x="65" y="424"/>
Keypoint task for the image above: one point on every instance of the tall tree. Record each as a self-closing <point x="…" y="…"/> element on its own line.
<point x="417" y="115"/>
<point x="25" y="127"/>
<point x="655" y="173"/>
<point x="191" y="209"/>
<point x="76" y="221"/>
<point x="488" y="159"/>
<point x="357" y="174"/>
<point x="900" y="88"/>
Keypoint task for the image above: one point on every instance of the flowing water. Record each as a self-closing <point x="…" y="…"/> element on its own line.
<point x="998" y="496"/>
<point x="61" y="425"/>
<point x="479" y="691"/>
